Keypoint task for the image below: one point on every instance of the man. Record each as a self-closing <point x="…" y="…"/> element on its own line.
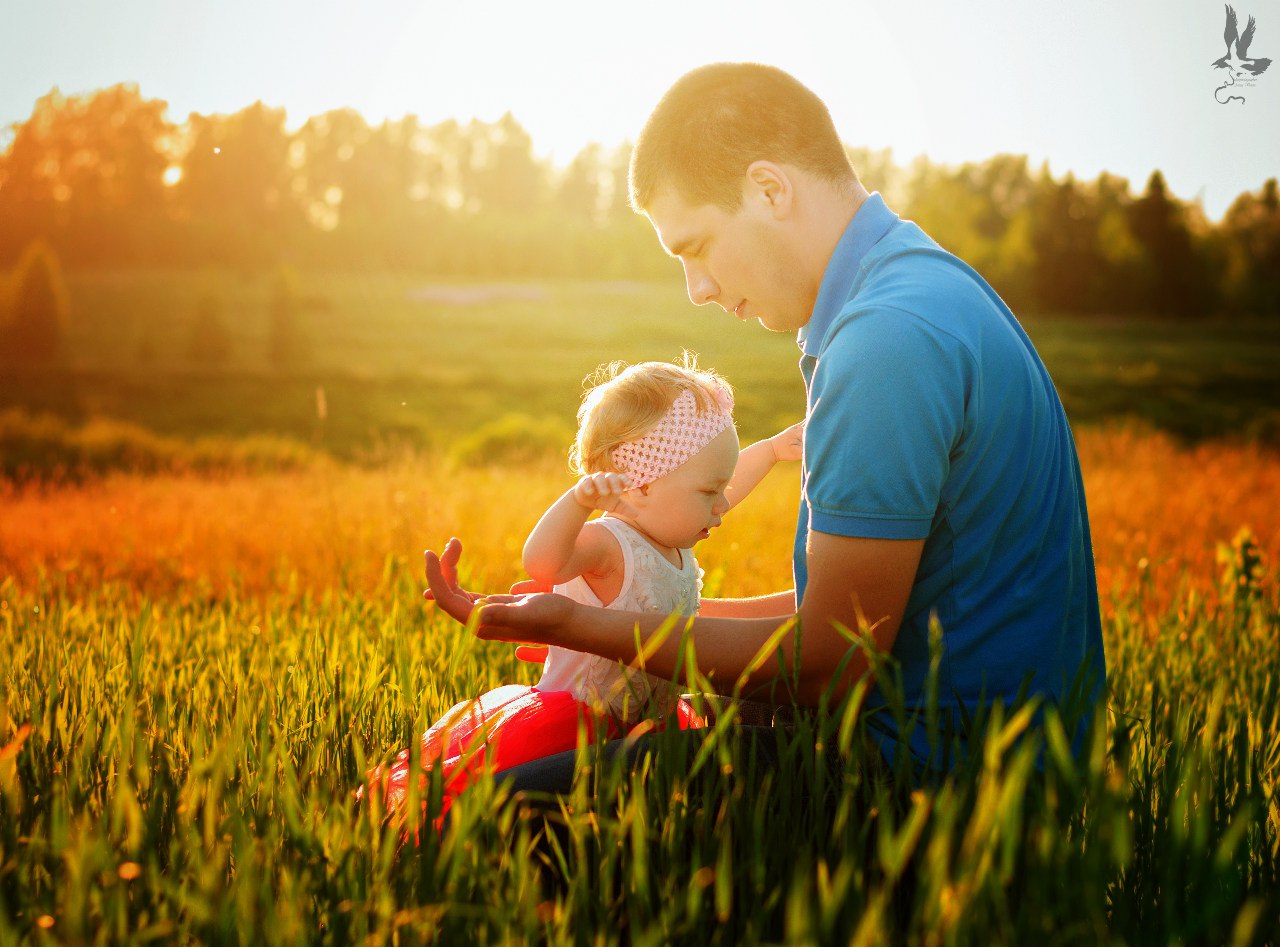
<point x="940" y="478"/>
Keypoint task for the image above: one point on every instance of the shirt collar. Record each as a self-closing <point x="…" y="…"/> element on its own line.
<point x="869" y="224"/>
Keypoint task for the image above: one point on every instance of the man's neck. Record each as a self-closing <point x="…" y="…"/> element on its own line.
<point x="832" y="212"/>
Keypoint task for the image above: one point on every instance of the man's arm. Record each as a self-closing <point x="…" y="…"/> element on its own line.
<point x="849" y="578"/>
<point x="777" y="605"/>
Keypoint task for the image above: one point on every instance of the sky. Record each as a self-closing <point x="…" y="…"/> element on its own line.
<point x="1124" y="86"/>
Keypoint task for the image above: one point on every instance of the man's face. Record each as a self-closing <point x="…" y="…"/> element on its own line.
<point x="737" y="259"/>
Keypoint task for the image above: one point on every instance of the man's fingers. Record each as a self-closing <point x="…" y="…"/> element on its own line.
<point x="449" y="559"/>
<point x="443" y="567"/>
<point x="444" y="592"/>
<point x="497" y="621"/>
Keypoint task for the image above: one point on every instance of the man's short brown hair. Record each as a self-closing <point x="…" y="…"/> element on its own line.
<point x="716" y="120"/>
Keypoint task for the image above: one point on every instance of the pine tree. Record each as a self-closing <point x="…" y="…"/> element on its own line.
<point x="37" y="320"/>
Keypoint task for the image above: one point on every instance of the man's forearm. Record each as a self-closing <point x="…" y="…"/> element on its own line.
<point x="777" y="605"/>
<point x="724" y="647"/>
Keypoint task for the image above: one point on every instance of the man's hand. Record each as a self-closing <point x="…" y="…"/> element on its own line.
<point x="537" y="618"/>
<point x="533" y="653"/>
<point x="529" y="615"/>
<point x="788" y="444"/>
<point x="604" y="492"/>
<point x="442" y="577"/>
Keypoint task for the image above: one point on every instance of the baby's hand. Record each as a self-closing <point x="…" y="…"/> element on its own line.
<point x="788" y="444"/>
<point x="604" y="491"/>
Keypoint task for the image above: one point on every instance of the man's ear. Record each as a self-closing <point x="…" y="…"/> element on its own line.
<point x="770" y="186"/>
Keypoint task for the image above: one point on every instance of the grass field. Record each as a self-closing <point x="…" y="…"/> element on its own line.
<point x="197" y="668"/>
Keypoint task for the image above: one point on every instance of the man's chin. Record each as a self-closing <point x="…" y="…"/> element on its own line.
<point x="776" y="323"/>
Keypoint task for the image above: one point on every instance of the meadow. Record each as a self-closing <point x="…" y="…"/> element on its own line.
<point x="406" y="363"/>
<point x="199" y="665"/>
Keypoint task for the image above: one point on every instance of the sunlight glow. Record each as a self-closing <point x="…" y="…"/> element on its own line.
<point x="954" y="82"/>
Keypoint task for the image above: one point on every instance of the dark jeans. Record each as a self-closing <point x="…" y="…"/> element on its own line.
<point x="553" y="775"/>
<point x="538" y="788"/>
<point x="756" y="732"/>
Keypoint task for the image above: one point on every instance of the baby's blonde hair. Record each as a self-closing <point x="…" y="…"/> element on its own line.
<point x="624" y="402"/>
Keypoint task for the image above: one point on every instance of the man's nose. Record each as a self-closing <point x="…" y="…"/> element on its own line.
<point x="702" y="288"/>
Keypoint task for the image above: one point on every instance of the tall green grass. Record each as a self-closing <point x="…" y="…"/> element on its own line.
<point x="183" y="774"/>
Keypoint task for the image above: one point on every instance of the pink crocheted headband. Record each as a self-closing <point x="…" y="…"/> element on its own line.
<point x="682" y="432"/>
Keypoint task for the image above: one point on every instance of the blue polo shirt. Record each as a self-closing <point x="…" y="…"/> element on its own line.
<point x="930" y="416"/>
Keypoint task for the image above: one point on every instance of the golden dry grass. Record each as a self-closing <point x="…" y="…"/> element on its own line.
<point x="1158" y="512"/>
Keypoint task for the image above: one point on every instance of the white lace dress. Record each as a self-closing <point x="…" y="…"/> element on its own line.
<point x="649" y="584"/>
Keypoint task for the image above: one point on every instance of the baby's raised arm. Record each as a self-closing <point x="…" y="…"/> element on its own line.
<point x="562" y="547"/>
<point x="756" y="460"/>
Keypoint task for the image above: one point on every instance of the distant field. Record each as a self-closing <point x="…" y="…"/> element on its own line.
<point x="421" y="364"/>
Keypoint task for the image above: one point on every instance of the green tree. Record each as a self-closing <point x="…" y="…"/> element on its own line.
<point x="326" y="153"/>
<point x="580" y="190"/>
<point x="36" y="324"/>
<point x="1250" y="234"/>
<point x="1064" y="238"/>
<point x="1118" y="285"/>
<point x="236" y="187"/>
<point x="1172" y="278"/>
<point x="978" y="211"/>
<point x="617" y="168"/>
<point x="502" y="176"/>
<point x="878" y="172"/>
<point x="87" y="172"/>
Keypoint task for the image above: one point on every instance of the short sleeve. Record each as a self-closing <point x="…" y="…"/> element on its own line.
<point x="886" y="411"/>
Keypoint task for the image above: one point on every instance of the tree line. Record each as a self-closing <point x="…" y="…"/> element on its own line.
<point x="107" y="180"/>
